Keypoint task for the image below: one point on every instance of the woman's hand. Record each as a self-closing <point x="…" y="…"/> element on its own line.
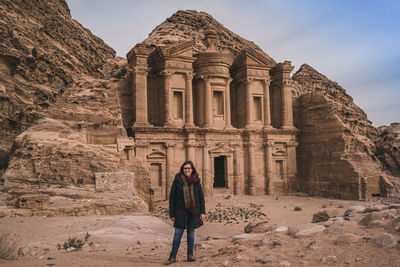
<point x="202" y="217"/>
<point x="172" y="219"/>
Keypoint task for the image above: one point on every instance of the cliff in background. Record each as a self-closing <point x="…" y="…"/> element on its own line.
<point x="61" y="128"/>
<point x="187" y="25"/>
<point x="337" y="156"/>
<point x="42" y="50"/>
<point x="388" y="147"/>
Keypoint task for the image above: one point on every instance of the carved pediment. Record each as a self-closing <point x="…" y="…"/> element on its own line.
<point x="156" y="154"/>
<point x="279" y="152"/>
<point x="184" y="49"/>
<point x="221" y="150"/>
<point x="250" y="57"/>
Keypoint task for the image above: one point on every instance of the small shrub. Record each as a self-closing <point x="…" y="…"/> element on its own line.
<point x="324" y="206"/>
<point x="340" y="206"/>
<point x="87" y="235"/>
<point x="75" y="243"/>
<point x="297" y="208"/>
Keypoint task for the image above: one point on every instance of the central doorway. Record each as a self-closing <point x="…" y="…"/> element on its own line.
<point x="220" y="171"/>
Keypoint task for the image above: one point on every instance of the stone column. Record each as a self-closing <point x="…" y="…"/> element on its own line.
<point x="251" y="169"/>
<point x="249" y="103"/>
<point x="140" y="87"/>
<point x="167" y="98"/>
<point x="292" y="166"/>
<point x="269" y="166"/>
<point x="287" y="109"/>
<point x="170" y="172"/>
<point x="237" y="187"/>
<point x="228" y="103"/>
<point x="206" y="181"/>
<point x="188" y="100"/>
<point x="190" y="147"/>
<point x="267" y="105"/>
<point x="208" y="103"/>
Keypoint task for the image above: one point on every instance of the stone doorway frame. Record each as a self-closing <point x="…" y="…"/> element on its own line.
<point x="159" y="157"/>
<point x="223" y="162"/>
<point x="228" y="153"/>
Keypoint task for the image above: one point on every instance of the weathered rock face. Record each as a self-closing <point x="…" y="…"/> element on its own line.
<point x="187" y="25"/>
<point x="59" y="81"/>
<point x="388" y="147"/>
<point x="81" y="136"/>
<point x="42" y="49"/>
<point x="336" y="156"/>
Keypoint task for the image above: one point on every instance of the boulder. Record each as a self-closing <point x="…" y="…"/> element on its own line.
<point x="338" y="221"/>
<point x="396" y="224"/>
<point x="378" y="207"/>
<point x="261" y="227"/>
<point x="377" y="215"/>
<point x="354" y="209"/>
<point x="346" y="239"/>
<point x="8" y="247"/>
<point x="384" y="240"/>
<point x="269" y="259"/>
<point x="325" y="214"/>
<point x="303" y="230"/>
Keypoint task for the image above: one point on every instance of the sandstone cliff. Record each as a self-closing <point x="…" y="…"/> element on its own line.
<point x="187" y="25"/>
<point x="58" y="91"/>
<point x="42" y="49"/>
<point x="388" y="147"/>
<point x="336" y="153"/>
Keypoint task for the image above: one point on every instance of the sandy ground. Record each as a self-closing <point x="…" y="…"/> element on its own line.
<point x="145" y="239"/>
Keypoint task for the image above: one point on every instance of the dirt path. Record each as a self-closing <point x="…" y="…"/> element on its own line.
<point x="145" y="240"/>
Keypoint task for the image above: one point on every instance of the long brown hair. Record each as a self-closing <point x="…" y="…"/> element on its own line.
<point x="194" y="171"/>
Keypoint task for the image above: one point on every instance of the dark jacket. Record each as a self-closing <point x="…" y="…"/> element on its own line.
<point x="177" y="207"/>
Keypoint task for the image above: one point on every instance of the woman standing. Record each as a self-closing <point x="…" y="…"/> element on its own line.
<point x="186" y="208"/>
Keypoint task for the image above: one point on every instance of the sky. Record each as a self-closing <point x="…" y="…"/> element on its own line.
<point x="355" y="43"/>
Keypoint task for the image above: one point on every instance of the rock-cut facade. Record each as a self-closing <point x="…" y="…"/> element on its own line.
<point x="229" y="114"/>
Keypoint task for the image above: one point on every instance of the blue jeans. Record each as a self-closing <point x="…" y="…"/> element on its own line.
<point x="178" y="236"/>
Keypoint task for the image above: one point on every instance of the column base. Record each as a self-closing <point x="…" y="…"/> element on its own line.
<point x="170" y="124"/>
<point x="249" y="127"/>
<point x="189" y="125"/>
<point x="288" y="127"/>
<point x="228" y="127"/>
<point x="269" y="128"/>
<point x="141" y="124"/>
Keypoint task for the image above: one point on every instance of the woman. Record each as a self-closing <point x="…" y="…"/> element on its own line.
<point x="186" y="208"/>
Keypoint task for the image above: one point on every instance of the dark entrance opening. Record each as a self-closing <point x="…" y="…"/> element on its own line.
<point x="219" y="171"/>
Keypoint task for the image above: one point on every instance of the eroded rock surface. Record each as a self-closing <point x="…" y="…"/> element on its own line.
<point x="337" y="155"/>
<point x="388" y="147"/>
<point x="42" y="49"/>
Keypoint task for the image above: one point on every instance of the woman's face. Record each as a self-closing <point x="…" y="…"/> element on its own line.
<point x="187" y="169"/>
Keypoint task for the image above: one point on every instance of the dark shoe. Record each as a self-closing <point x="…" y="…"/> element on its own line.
<point x="171" y="259"/>
<point x="190" y="256"/>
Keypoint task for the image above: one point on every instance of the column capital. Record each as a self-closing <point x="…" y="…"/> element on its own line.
<point x="140" y="70"/>
<point x="288" y="82"/>
<point x="266" y="81"/>
<point x="269" y="143"/>
<point x="188" y="76"/>
<point x="169" y="144"/>
<point x="166" y="73"/>
<point x="246" y="80"/>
